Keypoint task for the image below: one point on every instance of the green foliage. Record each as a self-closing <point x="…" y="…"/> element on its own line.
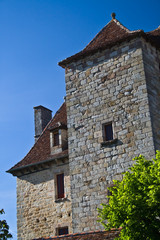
<point x="4" y="228"/>
<point x="135" y="202"/>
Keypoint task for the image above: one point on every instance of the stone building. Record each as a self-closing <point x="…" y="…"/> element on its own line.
<point x="111" y="114"/>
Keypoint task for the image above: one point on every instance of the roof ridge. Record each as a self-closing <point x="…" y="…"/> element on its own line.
<point x="125" y="28"/>
<point x="121" y="25"/>
<point x="112" y="20"/>
<point x="97" y="35"/>
<point x="116" y="22"/>
<point x="158" y="28"/>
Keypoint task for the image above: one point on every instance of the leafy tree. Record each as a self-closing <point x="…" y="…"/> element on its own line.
<point x="134" y="203"/>
<point x="4" y="228"/>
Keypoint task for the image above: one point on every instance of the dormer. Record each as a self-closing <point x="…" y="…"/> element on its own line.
<point x="58" y="138"/>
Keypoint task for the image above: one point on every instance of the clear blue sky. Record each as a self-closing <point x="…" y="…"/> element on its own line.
<point x="34" y="36"/>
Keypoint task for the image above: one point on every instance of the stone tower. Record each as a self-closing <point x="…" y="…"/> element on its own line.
<point x="113" y="112"/>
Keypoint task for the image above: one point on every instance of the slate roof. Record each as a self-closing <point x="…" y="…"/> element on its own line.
<point x="41" y="149"/>
<point x="113" y="33"/>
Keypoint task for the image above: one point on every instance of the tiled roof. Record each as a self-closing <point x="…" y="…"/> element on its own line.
<point x="154" y="36"/>
<point x="95" y="235"/>
<point x="41" y="149"/>
<point x="114" y="32"/>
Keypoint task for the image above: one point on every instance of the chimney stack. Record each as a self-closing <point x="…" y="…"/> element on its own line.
<point x="42" y="116"/>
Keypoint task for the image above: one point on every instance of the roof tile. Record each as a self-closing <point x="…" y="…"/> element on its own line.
<point x="114" y="32"/>
<point x="94" y="235"/>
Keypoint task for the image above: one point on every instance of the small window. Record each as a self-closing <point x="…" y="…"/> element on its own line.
<point x="108" y="132"/>
<point x="56" y="139"/>
<point x="60" y="185"/>
<point x="62" y="231"/>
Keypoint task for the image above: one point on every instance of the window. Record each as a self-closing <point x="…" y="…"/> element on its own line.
<point x="56" y="138"/>
<point x="62" y="231"/>
<point x="108" y="132"/>
<point x="60" y="185"/>
<point x="108" y="138"/>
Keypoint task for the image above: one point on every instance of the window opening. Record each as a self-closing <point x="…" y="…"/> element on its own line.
<point x="108" y="132"/>
<point x="60" y="185"/>
<point x="62" y="231"/>
<point x="55" y="139"/>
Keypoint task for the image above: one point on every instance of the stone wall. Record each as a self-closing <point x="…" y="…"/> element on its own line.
<point x="151" y="58"/>
<point x="39" y="213"/>
<point x="109" y="86"/>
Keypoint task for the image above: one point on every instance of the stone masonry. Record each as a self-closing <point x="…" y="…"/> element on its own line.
<point x="39" y="213"/>
<point x="112" y="85"/>
<point x="151" y="58"/>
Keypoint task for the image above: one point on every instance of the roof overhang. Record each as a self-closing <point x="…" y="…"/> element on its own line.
<point x="58" y="125"/>
<point x="39" y="166"/>
<point x="84" y="53"/>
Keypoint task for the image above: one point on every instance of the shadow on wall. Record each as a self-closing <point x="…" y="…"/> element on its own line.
<point x="42" y="176"/>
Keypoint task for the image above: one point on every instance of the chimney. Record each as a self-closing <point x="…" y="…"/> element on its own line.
<point x="42" y="116"/>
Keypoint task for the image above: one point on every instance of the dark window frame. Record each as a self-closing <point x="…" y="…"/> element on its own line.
<point x="55" y="138"/>
<point x="60" y="185"/>
<point x="108" y="132"/>
<point x="62" y="231"/>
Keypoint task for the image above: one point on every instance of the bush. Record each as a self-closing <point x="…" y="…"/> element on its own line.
<point x="135" y="202"/>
